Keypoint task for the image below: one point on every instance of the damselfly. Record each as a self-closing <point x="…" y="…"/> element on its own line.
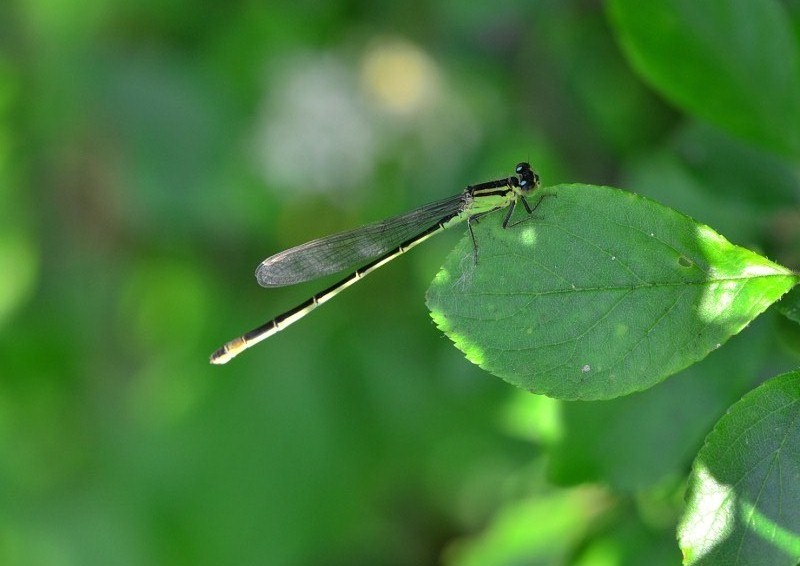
<point x="376" y="244"/>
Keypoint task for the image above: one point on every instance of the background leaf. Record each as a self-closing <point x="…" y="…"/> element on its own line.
<point x="603" y="294"/>
<point x="789" y="306"/>
<point x="709" y="175"/>
<point x="743" y="504"/>
<point x="735" y="64"/>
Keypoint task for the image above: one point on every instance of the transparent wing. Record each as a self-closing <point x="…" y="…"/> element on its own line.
<point x="351" y="249"/>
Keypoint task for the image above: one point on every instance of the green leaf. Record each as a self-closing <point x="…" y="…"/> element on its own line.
<point x="602" y="294"/>
<point x="735" y="64"/>
<point x="743" y="503"/>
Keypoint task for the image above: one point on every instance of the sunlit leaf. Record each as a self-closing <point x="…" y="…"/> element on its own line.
<point x="743" y="505"/>
<point x="601" y="294"/>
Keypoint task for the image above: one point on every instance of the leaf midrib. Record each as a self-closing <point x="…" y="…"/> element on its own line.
<point x="621" y="287"/>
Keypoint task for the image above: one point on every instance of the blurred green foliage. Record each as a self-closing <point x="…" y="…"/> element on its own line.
<point x="152" y="153"/>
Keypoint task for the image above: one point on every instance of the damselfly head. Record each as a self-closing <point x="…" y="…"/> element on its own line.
<point x="528" y="179"/>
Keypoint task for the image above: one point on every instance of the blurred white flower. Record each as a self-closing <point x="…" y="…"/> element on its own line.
<point x="326" y="123"/>
<point x="314" y="131"/>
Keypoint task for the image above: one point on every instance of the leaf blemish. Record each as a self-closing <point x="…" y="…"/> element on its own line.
<point x="528" y="236"/>
<point x="685" y="261"/>
<point x="586" y="369"/>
